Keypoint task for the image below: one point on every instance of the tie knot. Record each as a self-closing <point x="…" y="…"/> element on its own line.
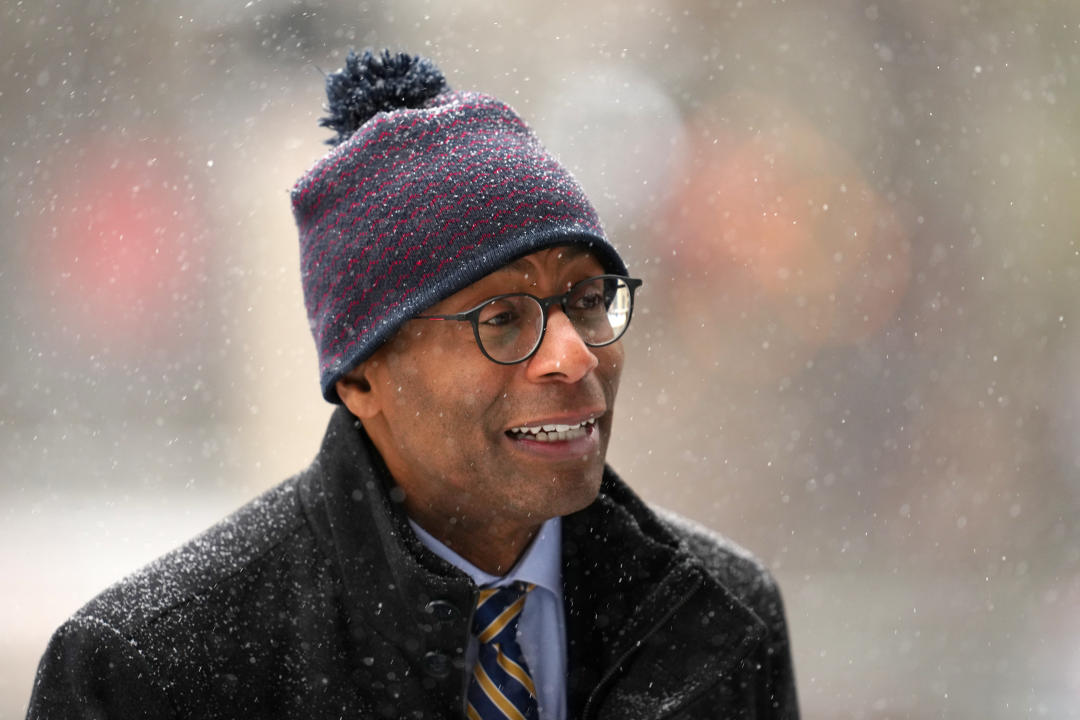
<point x="497" y="611"/>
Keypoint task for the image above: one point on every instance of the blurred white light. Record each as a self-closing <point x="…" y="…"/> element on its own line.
<point x="622" y="136"/>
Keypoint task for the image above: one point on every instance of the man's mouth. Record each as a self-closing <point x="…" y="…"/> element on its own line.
<point x="553" y="432"/>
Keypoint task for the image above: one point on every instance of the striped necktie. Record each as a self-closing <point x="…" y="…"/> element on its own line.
<point x="501" y="686"/>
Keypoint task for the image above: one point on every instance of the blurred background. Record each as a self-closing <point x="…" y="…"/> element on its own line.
<point x="856" y="351"/>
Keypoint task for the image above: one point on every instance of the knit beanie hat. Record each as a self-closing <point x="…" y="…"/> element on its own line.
<point x="425" y="191"/>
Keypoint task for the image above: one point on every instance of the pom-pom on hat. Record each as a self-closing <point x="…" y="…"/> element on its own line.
<point x="425" y="191"/>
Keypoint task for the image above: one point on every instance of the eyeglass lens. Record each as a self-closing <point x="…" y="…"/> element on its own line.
<point x="509" y="327"/>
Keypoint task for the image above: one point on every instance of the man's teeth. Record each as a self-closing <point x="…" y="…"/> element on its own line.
<point x="555" y="432"/>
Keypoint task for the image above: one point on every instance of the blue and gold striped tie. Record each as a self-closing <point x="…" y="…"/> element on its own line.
<point x="501" y="686"/>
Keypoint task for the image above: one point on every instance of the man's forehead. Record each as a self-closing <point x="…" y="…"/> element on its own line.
<point x="521" y="274"/>
<point x="563" y="253"/>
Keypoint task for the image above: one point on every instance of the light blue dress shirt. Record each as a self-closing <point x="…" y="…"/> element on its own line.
<point x="542" y="627"/>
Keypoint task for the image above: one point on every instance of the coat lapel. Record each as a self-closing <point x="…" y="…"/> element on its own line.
<point x="637" y="606"/>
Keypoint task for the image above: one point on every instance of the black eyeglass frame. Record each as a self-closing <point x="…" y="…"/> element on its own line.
<point x="473" y="315"/>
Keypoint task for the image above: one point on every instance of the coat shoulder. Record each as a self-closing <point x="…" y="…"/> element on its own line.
<point x="205" y="565"/>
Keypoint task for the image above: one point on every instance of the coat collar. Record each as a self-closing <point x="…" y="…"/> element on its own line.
<point x="656" y="598"/>
<point x="392" y="585"/>
<point x="627" y="580"/>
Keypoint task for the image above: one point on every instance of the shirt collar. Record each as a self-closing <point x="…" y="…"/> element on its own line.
<point x="540" y="564"/>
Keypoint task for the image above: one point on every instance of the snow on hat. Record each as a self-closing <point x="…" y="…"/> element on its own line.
<point x="425" y="191"/>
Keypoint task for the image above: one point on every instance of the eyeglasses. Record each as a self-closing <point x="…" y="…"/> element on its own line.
<point x="509" y="328"/>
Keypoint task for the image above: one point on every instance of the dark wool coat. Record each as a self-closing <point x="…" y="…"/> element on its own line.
<point x="316" y="600"/>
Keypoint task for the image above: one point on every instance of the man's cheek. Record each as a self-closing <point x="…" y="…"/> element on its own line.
<point x="612" y="364"/>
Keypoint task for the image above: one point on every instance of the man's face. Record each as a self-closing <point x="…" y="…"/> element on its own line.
<point x="442" y="415"/>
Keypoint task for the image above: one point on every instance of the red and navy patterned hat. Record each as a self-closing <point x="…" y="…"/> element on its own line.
<point x="425" y="192"/>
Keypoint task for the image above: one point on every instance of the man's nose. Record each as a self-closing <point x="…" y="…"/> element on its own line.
<point x="562" y="355"/>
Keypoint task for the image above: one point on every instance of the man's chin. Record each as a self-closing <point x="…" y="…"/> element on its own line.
<point x="578" y="491"/>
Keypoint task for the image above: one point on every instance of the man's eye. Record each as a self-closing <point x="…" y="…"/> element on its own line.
<point x="499" y="313"/>
<point x="499" y="319"/>
<point x="592" y="300"/>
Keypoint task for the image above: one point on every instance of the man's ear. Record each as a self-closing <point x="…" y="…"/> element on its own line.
<point x="354" y="389"/>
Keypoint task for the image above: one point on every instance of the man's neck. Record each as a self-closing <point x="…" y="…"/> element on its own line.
<point x="490" y="545"/>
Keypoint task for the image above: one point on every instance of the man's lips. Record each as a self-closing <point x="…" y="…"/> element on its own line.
<point x="557" y="427"/>
<point x="554" y="431"/>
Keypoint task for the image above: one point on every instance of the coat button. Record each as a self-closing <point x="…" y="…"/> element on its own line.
<point x="436" y="664"/>
<point x="441" y="610"/>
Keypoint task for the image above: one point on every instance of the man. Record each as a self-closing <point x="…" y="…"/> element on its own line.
<point x="458" y="547"/>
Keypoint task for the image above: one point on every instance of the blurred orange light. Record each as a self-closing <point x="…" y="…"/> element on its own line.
<point x="783" y="221"/>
